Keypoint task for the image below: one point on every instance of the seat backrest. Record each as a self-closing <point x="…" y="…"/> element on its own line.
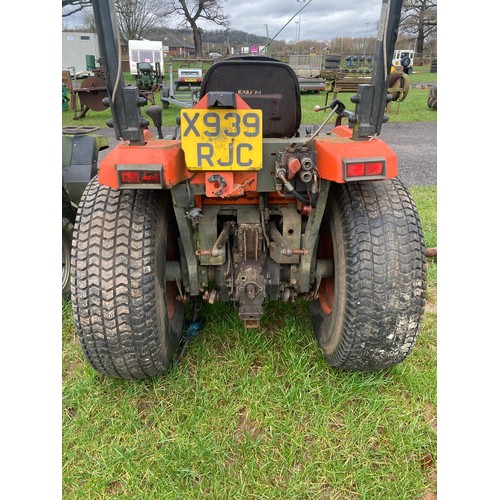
<point x="263" y="83"/>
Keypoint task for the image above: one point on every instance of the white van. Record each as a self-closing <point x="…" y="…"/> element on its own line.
<point x="404" y="58"/>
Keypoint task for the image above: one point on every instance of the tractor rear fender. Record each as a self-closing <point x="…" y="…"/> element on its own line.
<point x="80" y="152"/>
<point x="166" y="155"/>
<point x="337" y="150"/>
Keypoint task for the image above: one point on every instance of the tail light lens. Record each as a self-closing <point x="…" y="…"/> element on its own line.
<point x="364" y="169"/>
<point x="140" y="176"/>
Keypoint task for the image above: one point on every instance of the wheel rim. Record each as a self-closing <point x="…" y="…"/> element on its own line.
<point x="66" y="265"/>
<point x="171" y="286"/>
<point x="170" y="291"/>
<point x="326" y="291"/>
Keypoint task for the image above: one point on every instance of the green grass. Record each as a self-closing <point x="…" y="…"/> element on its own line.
<point x="255" y="414"/>
<point x="412" y="109"/>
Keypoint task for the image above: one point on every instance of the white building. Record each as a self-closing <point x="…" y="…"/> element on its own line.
<point x="75" y="49"/>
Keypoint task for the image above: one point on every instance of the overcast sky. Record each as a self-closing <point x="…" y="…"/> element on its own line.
<point x="320" y="20"/>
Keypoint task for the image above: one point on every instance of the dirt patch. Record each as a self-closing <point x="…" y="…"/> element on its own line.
<point x="422" y="86"/>
<point x="115" y="488"/>
<point x="431" y="302"/>
<point x="247" y="427"/>
<point x="430" y="416"/>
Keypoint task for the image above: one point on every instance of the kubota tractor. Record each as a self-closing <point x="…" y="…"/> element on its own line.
<point x="242" y="208"/>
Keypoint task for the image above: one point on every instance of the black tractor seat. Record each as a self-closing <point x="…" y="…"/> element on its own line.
<point x="263" y="83"/>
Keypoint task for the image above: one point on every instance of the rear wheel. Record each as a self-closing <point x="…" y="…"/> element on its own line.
<point x="127" y="318"/>
<point x="368" y="315"/>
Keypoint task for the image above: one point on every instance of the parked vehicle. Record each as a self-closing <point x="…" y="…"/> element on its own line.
<point x="311" y="85"/>
<point x="188" y="77"/>
<point x="238" y="207"/>
<point x="147" y="77"/>
<point x="404" y="58"/>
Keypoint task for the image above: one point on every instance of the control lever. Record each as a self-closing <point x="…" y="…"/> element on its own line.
<point x="155" y="113"/>
<point x="339" y="110"/>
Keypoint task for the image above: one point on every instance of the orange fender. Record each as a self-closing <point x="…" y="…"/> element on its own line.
<point x="167" y="153"/>
<point x="333" y="149"/>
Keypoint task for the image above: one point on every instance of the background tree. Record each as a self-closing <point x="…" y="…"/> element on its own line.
<point x="137" y="17"/>
<point x="419" y="20"/>
<point x="72" y="6"/>
<point x="192" y="11"/>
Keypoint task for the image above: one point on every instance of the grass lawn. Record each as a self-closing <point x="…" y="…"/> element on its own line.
<point x="256" y="414"/>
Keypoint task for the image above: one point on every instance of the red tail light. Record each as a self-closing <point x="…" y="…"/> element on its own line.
<point x="375" y="168"/>
<point x="140" y="176"/>
<point x="364" y="169"/>
<point x="129" y="177"/>
<point x="355" y="169"/>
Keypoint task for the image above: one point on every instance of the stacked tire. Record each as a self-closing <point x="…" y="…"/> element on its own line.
<point x="434" y="66"/>
<point x="332" y="61"/>
<point x="432" y="99"/>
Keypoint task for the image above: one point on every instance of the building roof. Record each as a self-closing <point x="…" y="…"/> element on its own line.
<point x="174" y="41"/>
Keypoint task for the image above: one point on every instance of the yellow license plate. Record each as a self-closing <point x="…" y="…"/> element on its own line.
<point x="222" y="139"/>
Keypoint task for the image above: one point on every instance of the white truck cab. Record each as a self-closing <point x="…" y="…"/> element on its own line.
<point x="404" y="58"/>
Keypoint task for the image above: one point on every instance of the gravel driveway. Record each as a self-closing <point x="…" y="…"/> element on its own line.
<point x="415" y="145"/>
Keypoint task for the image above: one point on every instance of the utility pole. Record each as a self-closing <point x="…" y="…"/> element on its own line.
<point x="300" y="16"/>
<point x="268" y="48"/>
<point x="366" y="41"/>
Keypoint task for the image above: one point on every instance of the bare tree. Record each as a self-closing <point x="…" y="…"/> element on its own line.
<point x="70" y="7"/>
<point x="191" y="11"/>
<point x="137" y="17"/>
<point x="419" y="20"/>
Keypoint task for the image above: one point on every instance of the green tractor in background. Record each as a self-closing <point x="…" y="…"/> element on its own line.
<point x="148" y="78"/>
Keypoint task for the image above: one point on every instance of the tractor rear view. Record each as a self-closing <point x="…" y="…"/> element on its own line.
<point x="240" y="208"/>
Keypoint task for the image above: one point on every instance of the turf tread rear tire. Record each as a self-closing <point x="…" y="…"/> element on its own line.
<point x="380" y="277"/>
<point x="117" y="282"/>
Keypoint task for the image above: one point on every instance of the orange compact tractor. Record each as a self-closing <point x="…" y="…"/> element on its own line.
<point x="240" y="207"/>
